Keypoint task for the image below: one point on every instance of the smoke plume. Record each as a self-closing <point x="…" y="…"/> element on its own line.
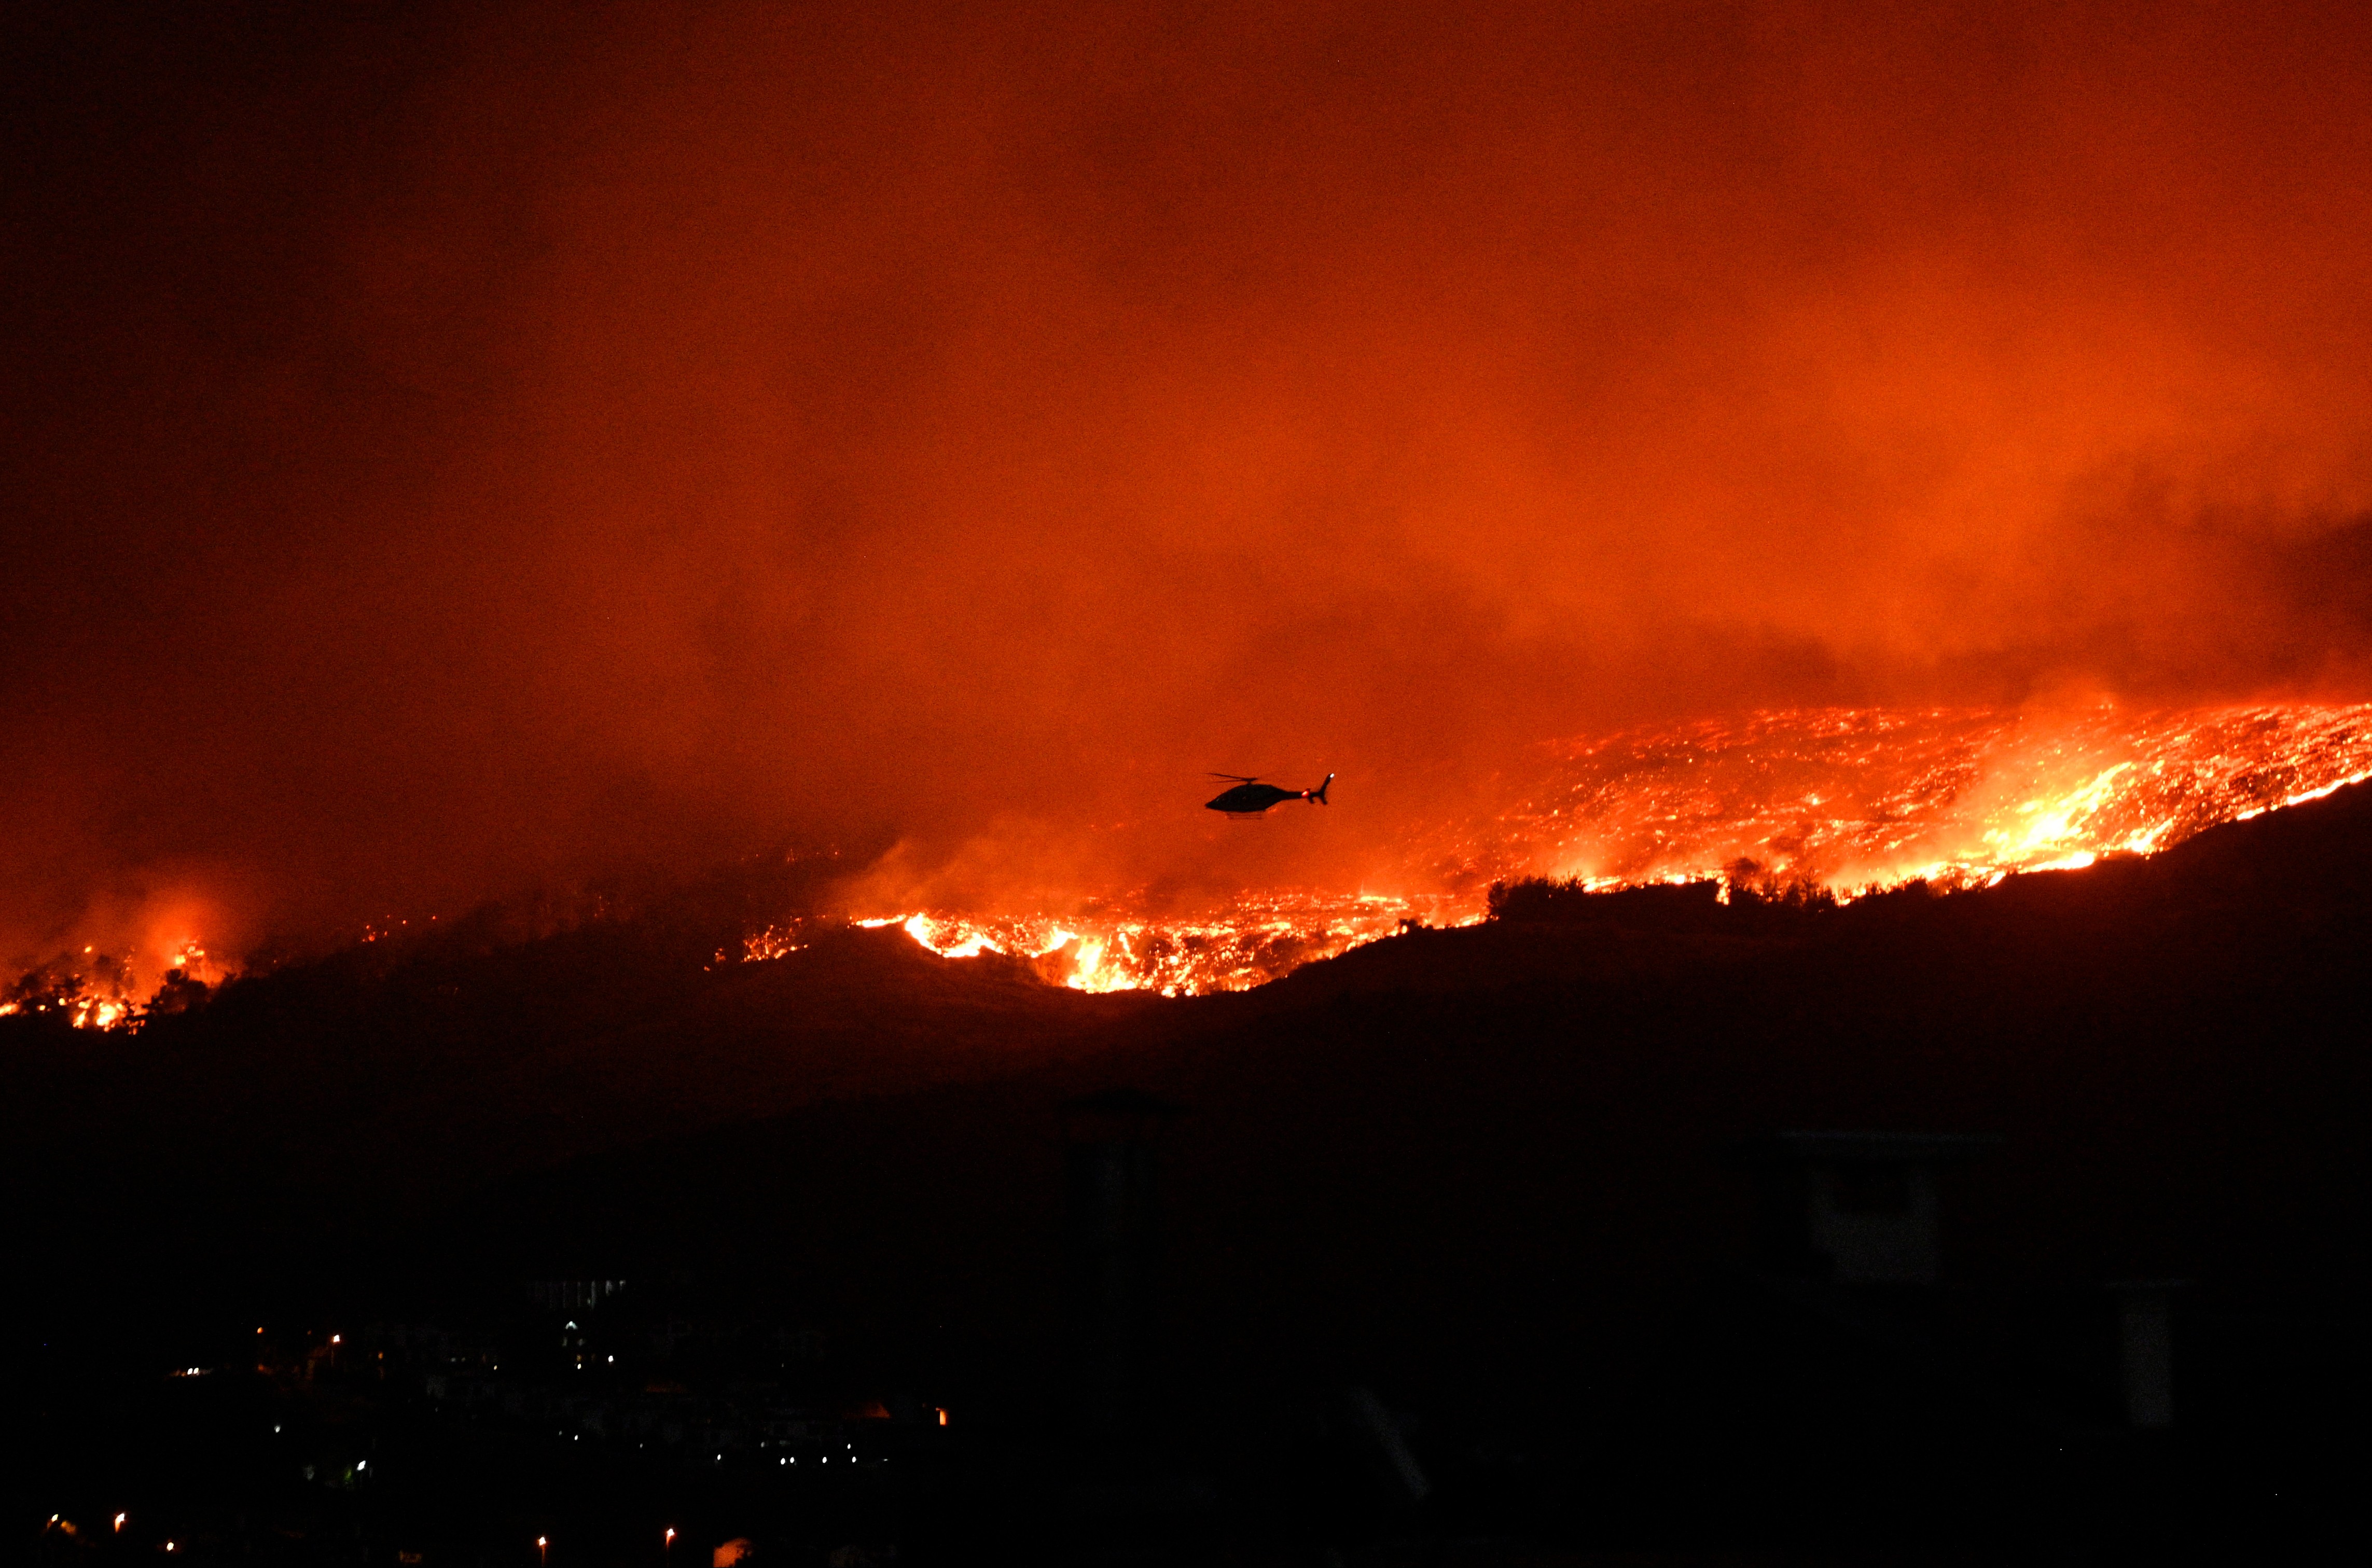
<point x="457" y="449"/>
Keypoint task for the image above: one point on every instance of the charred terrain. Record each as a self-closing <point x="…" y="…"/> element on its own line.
<point x="1454" y="1238"/>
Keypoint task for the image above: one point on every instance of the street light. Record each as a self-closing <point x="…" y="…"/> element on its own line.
<point x="541" y="1543"/>
<point x="119" y="1523"/>
<point x="667" y="1548"/>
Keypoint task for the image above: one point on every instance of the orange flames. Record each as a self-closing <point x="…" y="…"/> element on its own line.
<point x="1857" y="798"/>
<point x="1262" y="937"/>
<point x="1845" y="800"/>
<point x="96" y="990"/>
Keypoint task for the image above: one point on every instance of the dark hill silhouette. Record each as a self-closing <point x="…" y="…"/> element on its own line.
<point x="359" y="1087"/>
<point x="2170" y="1048"/>
<point x="2220" y="976"/>
<point x="1481" y="1169"/>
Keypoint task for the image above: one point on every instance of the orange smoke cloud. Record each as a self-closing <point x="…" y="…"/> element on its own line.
<point x="480" y="446"/>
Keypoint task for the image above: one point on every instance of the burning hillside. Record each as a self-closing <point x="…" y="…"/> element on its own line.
<point x="94" y="989"/>
<point x="1849" y="798"/>
<point x="1260" y="938"/>
<point x="1840" y="799"/>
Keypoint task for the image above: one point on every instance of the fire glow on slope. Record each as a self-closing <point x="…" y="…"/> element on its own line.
<point x="1261" y="937"/>
<point x="1848" y="800"/>
<point x="100" y="990"/>
<point x="1841" y="799"/>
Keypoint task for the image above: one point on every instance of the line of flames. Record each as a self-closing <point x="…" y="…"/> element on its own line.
<point x="1853" y="799"/>
<point x="1261" y="938"/>
<point x="1844" y="799"/>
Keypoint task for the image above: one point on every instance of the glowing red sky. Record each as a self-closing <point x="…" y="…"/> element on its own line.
<point x="453" y="448"/>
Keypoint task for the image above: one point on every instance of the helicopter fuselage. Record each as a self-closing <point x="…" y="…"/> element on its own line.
<point x="1249" y="798"/>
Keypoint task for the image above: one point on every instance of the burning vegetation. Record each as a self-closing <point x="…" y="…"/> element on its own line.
<point x="94" y="989"/>
<point x="1826" y="802"/>
<point x="1801" y="806"/>
<point x="1260" y="938"/>
<point x="1856" y="799"/>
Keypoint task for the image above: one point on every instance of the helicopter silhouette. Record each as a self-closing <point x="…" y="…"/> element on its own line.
<point x="1250" y="797"/>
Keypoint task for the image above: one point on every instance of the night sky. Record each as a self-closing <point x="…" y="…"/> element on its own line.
<point x="450" y="449"/>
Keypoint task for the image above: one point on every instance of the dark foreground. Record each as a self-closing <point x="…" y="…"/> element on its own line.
<point x="1476" y="1246"/>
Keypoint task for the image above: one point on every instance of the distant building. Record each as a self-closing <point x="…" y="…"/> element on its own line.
<point x="572" y="1296"/>
<point x="1854" y="1208"/>
<point x="2146" y="1350"/>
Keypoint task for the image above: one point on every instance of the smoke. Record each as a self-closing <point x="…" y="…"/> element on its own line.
<point x="457" y="449"/>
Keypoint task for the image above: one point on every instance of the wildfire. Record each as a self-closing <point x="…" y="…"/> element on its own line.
<point x="774" y="942"/>
<point x="1858" y="798"/>
<point x="80" y="1007"/>
<point x="94" y="989"/>
<point x="1261" y="938"/>
<point x="1847" y="799"/>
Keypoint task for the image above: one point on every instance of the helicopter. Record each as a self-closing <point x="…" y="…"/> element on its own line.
<point x="1250" y="797"/>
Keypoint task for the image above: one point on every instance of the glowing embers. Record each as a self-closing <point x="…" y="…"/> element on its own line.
<point x="1851" y="798"/>
<point x="1261" y="938"/>
<point x="82" y="1012"/>
<point x="98" y="990"/>
<point x="80" y="1009"/>
<point x="88" y="990"/>
<point x="774" y="942"/>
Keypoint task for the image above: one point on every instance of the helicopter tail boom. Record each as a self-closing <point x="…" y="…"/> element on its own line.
<point x="1319" y="794"/>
